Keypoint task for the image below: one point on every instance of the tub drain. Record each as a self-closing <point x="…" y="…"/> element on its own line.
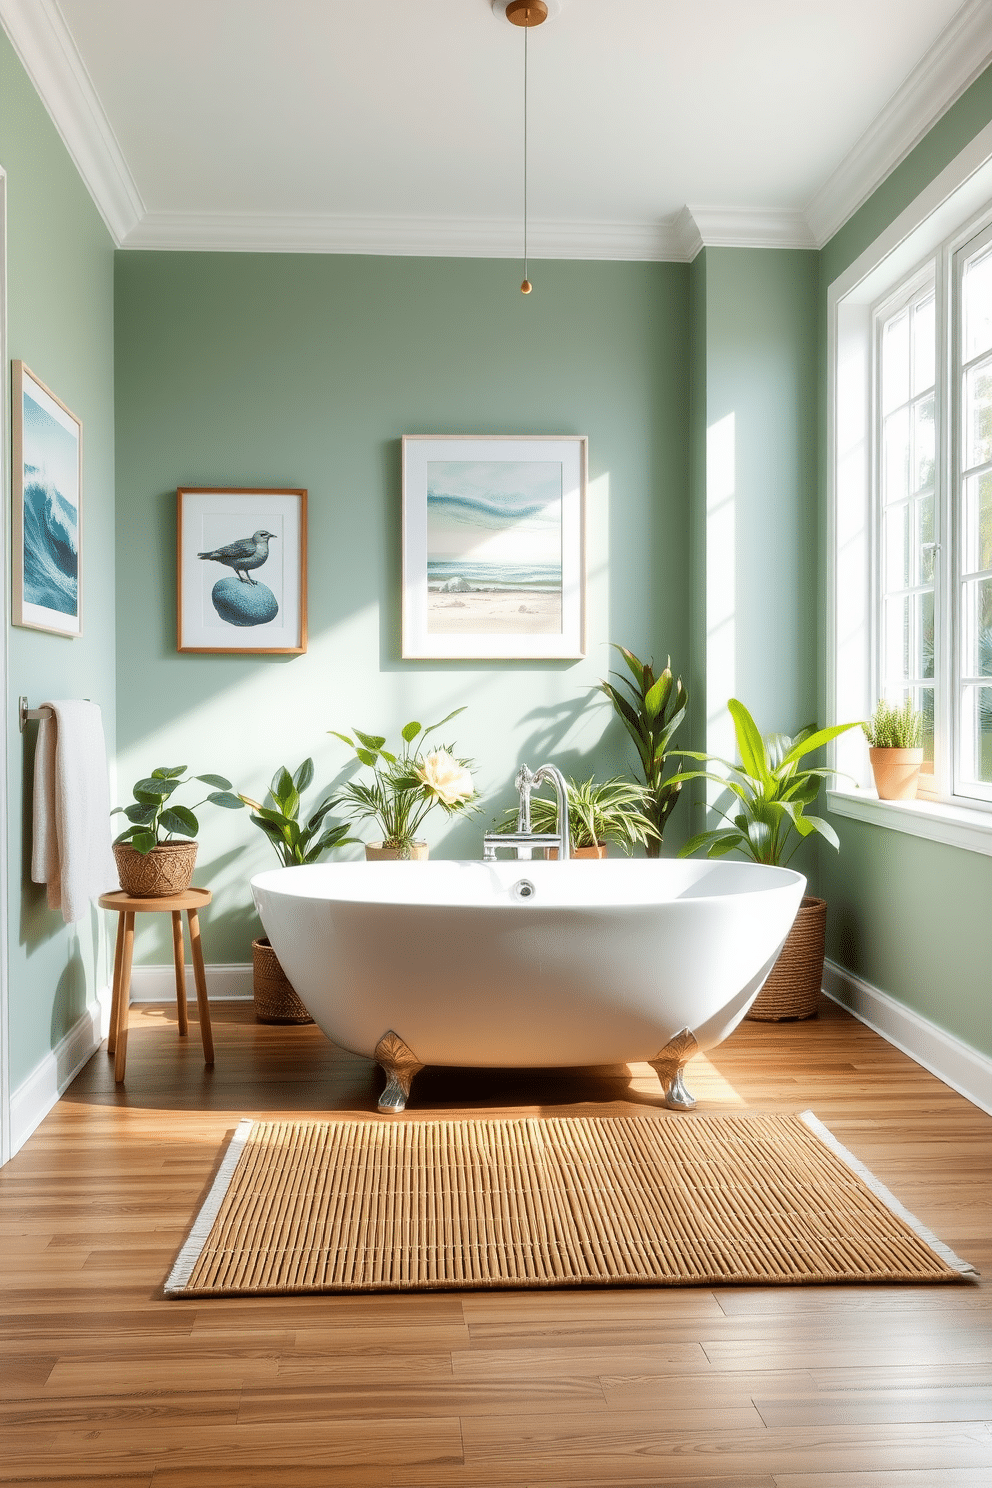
<point x="523" y="889"/>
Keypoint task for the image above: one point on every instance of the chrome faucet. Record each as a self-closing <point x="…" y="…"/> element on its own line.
<point x="524" y="840"/>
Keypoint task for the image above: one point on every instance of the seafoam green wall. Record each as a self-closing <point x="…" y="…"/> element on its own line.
<point x="306" y="371"/>
<point x="60" y="318"/>
<point x="907" y="915"/>
<point x="754" y="446"/>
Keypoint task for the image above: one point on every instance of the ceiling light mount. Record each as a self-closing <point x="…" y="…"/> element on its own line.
<point x="526" y="12"/>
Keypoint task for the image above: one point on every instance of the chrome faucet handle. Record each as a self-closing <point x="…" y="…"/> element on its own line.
<point x="552" y="773"/>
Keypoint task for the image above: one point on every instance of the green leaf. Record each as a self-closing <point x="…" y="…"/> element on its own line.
<point x="636" y="666"/>
<point x="344" y="737"/>
<point x="140" y="814"/>
<point x="180" y="819"/>
<point x="367" y="757"/>
<point x="655" y="696"/>
<point x="706" y="839"/>
<point x="749" y="741"/>
<point x="281" y="784"/>
<point x="218" y="780"/>
<point x="143" y="842"/>
<point x="817" y="740"/>
<point x="303" y="776"/>
<point x="825" y="830"/>
<point x="371" y="741"/>
<point x="146" y="798"/>
<point x="158" y="790"/>
<point x="163" y="774"/>
<point x="227" y="799"/>
<point x="410" y="731"/>
<point x="447" y="719"/>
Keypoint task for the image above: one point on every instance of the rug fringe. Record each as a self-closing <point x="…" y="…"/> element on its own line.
<point x="947" y="1255"/>
<point x="203" y="1224"/>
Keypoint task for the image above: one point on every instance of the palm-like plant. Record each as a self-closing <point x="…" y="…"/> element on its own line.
<point x="772" y="788"/>
<point x="651" y="711"/>
<point x="598" y="811"/>
<point x="295" y="843"/>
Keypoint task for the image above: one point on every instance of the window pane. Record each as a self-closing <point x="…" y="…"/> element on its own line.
<point x="978" y="523"/>
<point x="923" y="444"/>
<point x="923" y="654"/>
<point x="977" y="296"/>
<point x="897" y="527"/>
<point x="976" y="605"/>
<point x="895" y="456"/>
<point x="923" y="700"/>
<point x="924" y="359"/>
<point x="925" y="538"/>
<point x="976" y="735"/>
<point x="908" y="650"/>
<point x="895" y="362"/>
<point x="978" y="415"/>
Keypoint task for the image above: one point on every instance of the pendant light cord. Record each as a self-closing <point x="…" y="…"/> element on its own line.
<point x="526" y="32"/>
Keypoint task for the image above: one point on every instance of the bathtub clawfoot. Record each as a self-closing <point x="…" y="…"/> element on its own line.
<point x="399" y="1064"/>
<point x="670" y="1063"/>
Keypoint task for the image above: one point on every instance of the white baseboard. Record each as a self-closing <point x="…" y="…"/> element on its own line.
<point x="961" y="1067"/>
<point x="35" y="1096"/>
<point x="232" y="983"/>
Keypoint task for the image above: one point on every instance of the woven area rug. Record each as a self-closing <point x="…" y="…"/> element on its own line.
<point x="356" y="1206"/>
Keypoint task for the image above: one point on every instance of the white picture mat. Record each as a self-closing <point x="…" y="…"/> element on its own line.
<point x="418" y="451"/>
<point x="212" y="519"/>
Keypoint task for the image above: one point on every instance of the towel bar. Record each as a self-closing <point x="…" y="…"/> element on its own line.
<point x="24" y="713"/>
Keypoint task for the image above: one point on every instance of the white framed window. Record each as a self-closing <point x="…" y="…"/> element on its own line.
<point x="910" y="501"/>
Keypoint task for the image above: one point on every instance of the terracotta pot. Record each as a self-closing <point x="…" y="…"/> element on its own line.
<point x="167" y="869"/>
<point x="792" y="987"/>
<point x="376" y="853"/>
<point x="275" y="999"/>
<point x="598" y="850"/>
<point x="896" y="772"/>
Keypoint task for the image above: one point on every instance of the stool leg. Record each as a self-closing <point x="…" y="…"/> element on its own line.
<point x="203" y="1007"/>
<point x="115" y="1004"/>
<point x="125" y="997"/>
<point x="180" y="960"/>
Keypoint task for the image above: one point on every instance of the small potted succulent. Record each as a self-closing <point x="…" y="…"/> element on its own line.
<point x="599" y="812"/>
<point x="156" y="854"/>
<point x="405" y="787"/>
<point x="772" y="790"/>
<point x="295" y="844"/>
<point x="651" y="709"/>
<point x="895" y="749"/>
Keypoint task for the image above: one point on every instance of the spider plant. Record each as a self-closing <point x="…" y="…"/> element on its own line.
<point x="598" y="812"/>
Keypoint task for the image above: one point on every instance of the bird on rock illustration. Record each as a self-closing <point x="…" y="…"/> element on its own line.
<point x="246" y="553"/>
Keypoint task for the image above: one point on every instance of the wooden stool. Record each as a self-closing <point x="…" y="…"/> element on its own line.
<point x="127" y="906"/>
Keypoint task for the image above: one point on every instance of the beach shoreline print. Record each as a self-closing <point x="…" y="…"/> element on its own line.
<point x="494" y="547"/>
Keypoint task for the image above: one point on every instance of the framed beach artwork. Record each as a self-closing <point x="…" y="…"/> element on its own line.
<point x="46" y="508"/>
<point x="242" y="570"/>
<point x="494" y="547"/>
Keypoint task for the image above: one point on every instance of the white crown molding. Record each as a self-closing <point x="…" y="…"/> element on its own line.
<point x="42" y="41"/>
<point x="961" y="52"/>
<point x="742" y="227"/>
<point x="235" y="232"/>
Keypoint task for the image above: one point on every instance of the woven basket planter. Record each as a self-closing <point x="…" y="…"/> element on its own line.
<point x="275" y="1000"/>
<point x="167" y="869"/>
<point x="793" y="986"/>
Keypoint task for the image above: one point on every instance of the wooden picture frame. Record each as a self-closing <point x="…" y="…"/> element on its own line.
<point x="494" y="546"/>
<point x="46" y="508"/>
<point x="225" y="536"/>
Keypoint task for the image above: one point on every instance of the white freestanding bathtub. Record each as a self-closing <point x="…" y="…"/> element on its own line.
<point x="528" y="963"/>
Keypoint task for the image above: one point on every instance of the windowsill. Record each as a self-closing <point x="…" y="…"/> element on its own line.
<point x="937" y="821"/>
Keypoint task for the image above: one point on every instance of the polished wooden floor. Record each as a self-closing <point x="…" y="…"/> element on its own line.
<point x="105" y="1382"/>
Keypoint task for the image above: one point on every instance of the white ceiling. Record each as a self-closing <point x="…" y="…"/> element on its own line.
<point x="395" y="125"/>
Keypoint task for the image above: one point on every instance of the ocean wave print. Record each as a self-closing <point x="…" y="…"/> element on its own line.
<point x="51" y="546"/>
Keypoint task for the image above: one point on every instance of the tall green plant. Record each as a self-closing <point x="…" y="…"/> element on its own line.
<point x="294" y="842"/>
<point x="651" y="711"/>
<point x="772" y="791"/>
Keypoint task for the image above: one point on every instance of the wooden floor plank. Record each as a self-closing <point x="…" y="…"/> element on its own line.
<point x="104" y="1381"/>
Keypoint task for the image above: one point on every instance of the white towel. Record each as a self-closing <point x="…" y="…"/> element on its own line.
<point x="71" y="840"/>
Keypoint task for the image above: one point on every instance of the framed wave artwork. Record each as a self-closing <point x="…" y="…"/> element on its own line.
<point x="494" y="546"/>
<point x="46" y="508"/>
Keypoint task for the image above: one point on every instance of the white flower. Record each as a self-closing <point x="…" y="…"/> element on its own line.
<point x="445" y="778"/>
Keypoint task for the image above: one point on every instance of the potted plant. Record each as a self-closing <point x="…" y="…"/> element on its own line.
<point x="773" y="791"/>
<point x="599" y="812"/>
<point x="150" y="861"/>
<point x="895" y="740"/>
<point x="651" y="711"/>
<point x="405" y="787"/>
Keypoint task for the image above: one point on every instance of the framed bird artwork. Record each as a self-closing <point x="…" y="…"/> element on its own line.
<point x="242" y="570"/>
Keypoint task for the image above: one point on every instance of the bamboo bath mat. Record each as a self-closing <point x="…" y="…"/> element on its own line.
<point x="357" y="1206"/>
